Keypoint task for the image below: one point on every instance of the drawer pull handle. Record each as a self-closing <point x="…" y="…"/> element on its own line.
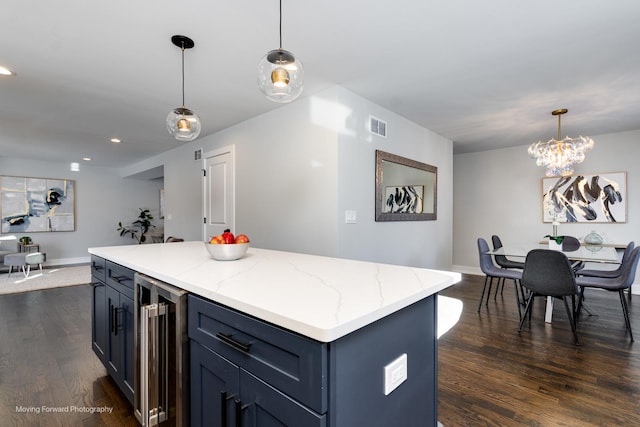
<point x="119" y="279"/>
<point x="97" y="267"/>
<point x="228" y="338"/>
<point x="223" y="408"/>
<point x="238" y="413"/>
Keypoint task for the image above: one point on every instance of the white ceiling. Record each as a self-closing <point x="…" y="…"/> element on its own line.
<point x="483" y="74"/>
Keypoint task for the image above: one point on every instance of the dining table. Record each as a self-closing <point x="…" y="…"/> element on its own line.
<point x="585" y="253"/>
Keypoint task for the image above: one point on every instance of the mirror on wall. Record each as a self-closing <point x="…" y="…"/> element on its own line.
<point x="406" y="190"/>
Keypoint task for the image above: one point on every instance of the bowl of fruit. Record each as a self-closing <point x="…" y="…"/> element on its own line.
<point x="227" y="247"/>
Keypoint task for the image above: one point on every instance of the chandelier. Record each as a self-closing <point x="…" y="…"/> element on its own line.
<point x="560" y="155"/>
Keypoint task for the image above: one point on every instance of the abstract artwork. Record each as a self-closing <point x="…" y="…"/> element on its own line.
<point x="30" y="205"/>
<point x="404" y="199"/>
<point x="585" y="198"/>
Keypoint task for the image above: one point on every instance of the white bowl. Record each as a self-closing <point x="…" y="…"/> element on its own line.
<point x="227" y="252"/>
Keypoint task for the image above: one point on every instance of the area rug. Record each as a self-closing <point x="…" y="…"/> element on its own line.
<point x="49" y="278"/>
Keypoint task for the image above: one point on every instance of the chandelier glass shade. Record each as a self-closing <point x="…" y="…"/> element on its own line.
<point x="280" y="73"/>
<point x="183" y="123"/>
<point x="560" y="155"/>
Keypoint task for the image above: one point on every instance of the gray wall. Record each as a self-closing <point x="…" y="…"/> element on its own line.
<point x="299" y="167"/>
<point x="415" y="243"/>
<point x="102" y="199"/>
<point x="500" y="192"/>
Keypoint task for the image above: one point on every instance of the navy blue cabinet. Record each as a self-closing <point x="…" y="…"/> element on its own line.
<point x="98" y="313"/>
<point x="113" y="321"/>
<point x="246" y="372"/>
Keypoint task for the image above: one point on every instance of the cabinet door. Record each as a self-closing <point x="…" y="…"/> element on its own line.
<point x="264" y="406"/>
<point x="114" y="342"/>
<point x="99" y="319"/>
<point x="215" y="386"/>
<point x="125" y="328"/>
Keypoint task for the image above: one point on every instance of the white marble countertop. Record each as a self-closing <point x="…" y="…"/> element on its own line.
<point x="319" y="297"/>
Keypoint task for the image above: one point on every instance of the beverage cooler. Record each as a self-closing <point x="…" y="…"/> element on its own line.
<point x="161" y="345"/>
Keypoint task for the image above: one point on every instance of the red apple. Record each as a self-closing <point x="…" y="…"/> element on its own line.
<point x="241" y="238"/>
<point x="217" y="240"/>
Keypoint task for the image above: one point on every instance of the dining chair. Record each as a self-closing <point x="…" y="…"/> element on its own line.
<point x="491" y="271"/>
<point x="572" y="244"/>
<point x="503" y="262"/>
<point x="610" y="274"/>
<point x="615" y="284"/>
<point x="548" y="273"/>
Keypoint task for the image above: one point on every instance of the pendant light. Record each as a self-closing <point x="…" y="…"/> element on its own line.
<point x="183" y="123"/>
<point x="280" y="74"/>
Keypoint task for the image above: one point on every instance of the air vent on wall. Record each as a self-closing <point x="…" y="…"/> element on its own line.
<point x="377" y="126"/>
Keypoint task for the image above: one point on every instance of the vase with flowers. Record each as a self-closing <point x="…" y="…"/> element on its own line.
<point x="555" y="210"/>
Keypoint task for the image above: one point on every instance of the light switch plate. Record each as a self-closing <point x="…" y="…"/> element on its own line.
<point x="395" y="373"/>
<point x="350" y="217"/>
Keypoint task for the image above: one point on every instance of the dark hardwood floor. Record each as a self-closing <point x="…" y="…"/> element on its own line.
<point x="492" y="375"/>
<point x="46" y="363"/>
<point x="489" y="374"/>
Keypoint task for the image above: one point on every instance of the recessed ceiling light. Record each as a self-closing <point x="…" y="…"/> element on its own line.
<point x="86" y="159"/>
<point x="4" y="71"/>
<point x="116" y="140"/>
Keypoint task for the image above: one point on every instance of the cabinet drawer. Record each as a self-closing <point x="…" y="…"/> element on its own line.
<point x="120" y="278"/>
<point x="291" y="363"/>
<point x="98" y="268"/>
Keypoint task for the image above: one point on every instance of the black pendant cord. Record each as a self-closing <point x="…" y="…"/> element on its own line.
<point x="182" y="49"/>
<point x="280" y="24"/>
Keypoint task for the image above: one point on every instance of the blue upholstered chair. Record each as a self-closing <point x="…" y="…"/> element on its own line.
<point x="610" y="274"/>
<point x="491" y="271"/>
<point x="615" y="284"/>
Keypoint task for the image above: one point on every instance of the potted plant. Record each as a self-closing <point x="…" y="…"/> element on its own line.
<point x="139" y="227"/>
<point x="555" y="242"/>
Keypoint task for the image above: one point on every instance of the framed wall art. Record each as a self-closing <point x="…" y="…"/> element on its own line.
<point x="29" y="205"/>
<point x="585" y="198"/>
<point x="406" y="190"/>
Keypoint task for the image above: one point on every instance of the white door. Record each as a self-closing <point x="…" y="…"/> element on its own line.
<point x="219" y="192"/>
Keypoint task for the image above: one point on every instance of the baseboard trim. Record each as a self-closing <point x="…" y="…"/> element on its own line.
<point x="464" y="269"/>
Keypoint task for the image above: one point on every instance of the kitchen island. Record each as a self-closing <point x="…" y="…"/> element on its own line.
<point x="351" y="342"/>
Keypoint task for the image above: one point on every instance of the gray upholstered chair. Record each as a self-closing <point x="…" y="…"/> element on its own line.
<point x="549" y="273"/>
<point x="610" y="274"/>
<point x="491" y="271"/>
<point x="503" y="262"/>
<point x="570" y="244"/>
<point x="615" y="284"/>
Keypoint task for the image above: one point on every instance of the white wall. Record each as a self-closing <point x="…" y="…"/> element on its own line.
<point x="299" y="167"/>
<point x="102" y="199"/>
<point x="500" y="192"/>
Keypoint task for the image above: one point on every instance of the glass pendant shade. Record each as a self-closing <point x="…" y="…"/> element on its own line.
<point x="183" y="124"/>
<point x="560" y="155"/>
<point x="280" y="76"/>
